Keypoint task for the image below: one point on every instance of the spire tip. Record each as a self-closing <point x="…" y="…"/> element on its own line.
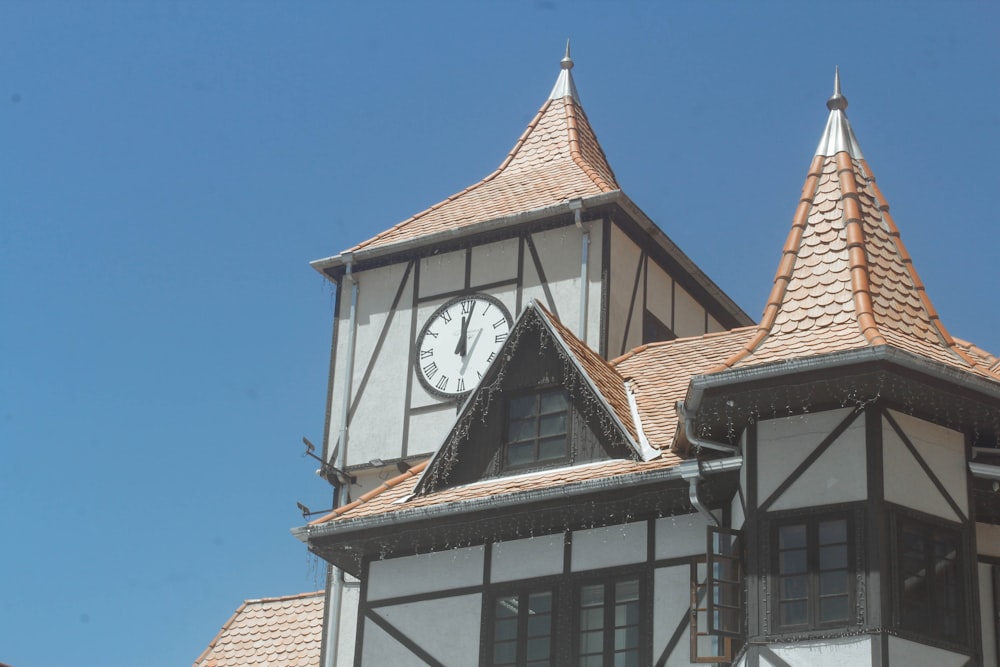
<point x="566" y="62"/>
<point x="836" y="101"/>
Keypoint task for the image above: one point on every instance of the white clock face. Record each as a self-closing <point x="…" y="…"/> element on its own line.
<point x="459" y="342"/>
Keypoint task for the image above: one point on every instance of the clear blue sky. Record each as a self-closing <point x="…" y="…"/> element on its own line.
<point x="168" y="169"/>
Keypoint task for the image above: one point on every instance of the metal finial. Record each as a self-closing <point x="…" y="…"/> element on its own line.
<point x="837" y="101"/>
<point x="566" y="62"/>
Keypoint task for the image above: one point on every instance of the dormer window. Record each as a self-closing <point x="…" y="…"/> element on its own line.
<point x="537" y="429"/>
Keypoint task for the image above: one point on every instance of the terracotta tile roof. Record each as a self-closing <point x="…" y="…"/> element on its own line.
<point x="660" y="373"/>
<point x="271" y="632"/>
<point x="556" y="159"/>
<point x="603" y="375"/>
<point x="845" y="280"/>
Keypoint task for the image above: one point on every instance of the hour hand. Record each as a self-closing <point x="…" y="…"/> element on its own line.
<point x="460" y="347"/>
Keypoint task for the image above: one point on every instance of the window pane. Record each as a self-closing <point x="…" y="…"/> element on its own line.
<point x="833" y="558"/>
<point x="592" y="595"/>
<point x="522" y="407"/>
<point x="627" y="614"/>
<point x="629" y="659"/>
<point x="520" y="454"/>
<point x="626" y="638"/>
<point x="539" y="602"/>
<point x="505" y="629"/>
<point x="833" y="609"/>
<point x="592" y="642"/>
<point x="792" y="537"/>
<point x="794" y="588"/>
<point x="592" y="619"/>
<point x="506" y="606"/>
<point x="538" y="648"/>
<point x="793" y="613"/>
<point x="792" y="562"/>
<point x="833" y="583"/>
<point x="627" y="591"/>
<point x="554" y="401"/>
<point x="552" y="448"/>
<point x="539" y="625"/>
<point x="552" y="425"/>
<point x="833" y="532"/>
<point x="521" y="429"/>
<point x="505" y="653"/>
<point x="592" y="661"/>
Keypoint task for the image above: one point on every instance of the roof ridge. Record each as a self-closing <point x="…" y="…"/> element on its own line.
<point x="907" y="260"/>
<point x="486" y="179"/>
<point x="285" y="598"/>
<point x="574" y="146"/>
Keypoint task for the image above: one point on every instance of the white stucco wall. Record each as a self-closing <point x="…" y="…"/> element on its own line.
<point x="671" y="604"/>
<point x="988" y="539"/>
<point x="838" y="475"/>
<point x="423" y="573"/>
<point x="446" y="628"/>
<point x="852" y="651"/>
<point x="604" y="547"/>
<point x="527" y="558"/>
<point x="689" y="315"/>
<point x="682" y="535"/>
<point x="625" y="256"/>
<point x="942" y="449"/>
<point x="905" y="652"/>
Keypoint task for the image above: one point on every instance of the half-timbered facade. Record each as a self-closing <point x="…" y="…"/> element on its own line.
<point x="820" y="488"/>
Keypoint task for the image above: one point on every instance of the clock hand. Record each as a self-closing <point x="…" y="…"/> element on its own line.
<point x="468" y="357"/>
<point x="460" y="346"/>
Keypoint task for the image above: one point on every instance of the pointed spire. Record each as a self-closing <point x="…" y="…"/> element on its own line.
<point x="838" y="135"/>
<point x="564" y="84"/>
<point x="845" y="280"/>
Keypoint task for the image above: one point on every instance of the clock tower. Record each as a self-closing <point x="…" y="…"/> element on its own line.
<point x="423" y="307"/>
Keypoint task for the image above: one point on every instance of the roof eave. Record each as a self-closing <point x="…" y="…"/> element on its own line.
<point x="349" y="527"/>
<point x="702" y="384"/>
<point x="328" y="265"/>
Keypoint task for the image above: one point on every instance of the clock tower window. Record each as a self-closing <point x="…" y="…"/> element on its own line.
<point x="537" y="429"/>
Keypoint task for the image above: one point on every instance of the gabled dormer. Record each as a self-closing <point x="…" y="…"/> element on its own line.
<point x="547" y="401"/>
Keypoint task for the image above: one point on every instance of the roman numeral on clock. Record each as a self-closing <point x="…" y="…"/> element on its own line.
<point x="426" y="353"/>
<point x="430" y="370"/>
<point x="442" y="383"/>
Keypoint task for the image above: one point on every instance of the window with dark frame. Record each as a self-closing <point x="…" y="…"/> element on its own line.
<point x="813" y="573"/>
<point x="523" y="629"/>
<point x="609" y="624"/>
<point x="930" y="579"/>
<point x="537" y="428"/>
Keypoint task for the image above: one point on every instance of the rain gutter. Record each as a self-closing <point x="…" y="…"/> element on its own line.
<point x="701" y="384"/>
<point x="364" y="254"/>
<point x="984" y="471"/>
<point x="350" y="527"/>
<point x="576" y="205"/>
<point x="613" y="197"/>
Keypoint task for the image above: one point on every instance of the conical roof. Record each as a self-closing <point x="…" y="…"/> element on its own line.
<point x="845" y="280"/>
<point x="558" y="158"/>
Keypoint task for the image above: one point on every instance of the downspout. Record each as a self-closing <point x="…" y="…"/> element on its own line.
<point x="336" y="574"/>
<point x="687" y="417"/>
<point x="576" y="205"/>
<point x="691" y="473"/>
